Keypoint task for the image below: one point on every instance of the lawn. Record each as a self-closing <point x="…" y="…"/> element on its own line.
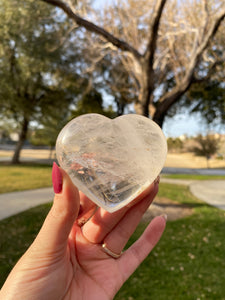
<point x="24" y="177"/>
<point x="194" y="176"/>
<point x="188" y="263"/>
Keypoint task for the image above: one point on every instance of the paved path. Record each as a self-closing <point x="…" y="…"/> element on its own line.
<point x="203" y="171"/>
<point x="210" y="191"/>
<point x="14" y="203"/>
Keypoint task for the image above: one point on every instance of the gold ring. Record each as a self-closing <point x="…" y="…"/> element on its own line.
<point x="109" y="252"/>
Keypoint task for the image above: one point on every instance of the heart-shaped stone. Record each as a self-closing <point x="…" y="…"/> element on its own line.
<point x="111" y="161"/>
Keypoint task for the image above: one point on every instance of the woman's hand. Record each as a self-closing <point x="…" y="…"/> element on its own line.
<point x="67" y="260"/>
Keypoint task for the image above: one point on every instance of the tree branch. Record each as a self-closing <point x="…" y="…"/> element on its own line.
<point x="208" y="37"/>
<point x="196" y="55"/>
<point x="153" y="35"/>
<point x="178" y="91"/>
<point x="94" y="28"/>
<point x="209" y="74"/>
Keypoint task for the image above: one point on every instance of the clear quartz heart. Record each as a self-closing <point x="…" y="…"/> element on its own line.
<point x="111" y="161"/>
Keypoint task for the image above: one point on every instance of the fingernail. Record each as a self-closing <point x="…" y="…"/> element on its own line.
<point x="164" y="216"/>
<point x="157" y="180"/>
<point x="56" y="179"/>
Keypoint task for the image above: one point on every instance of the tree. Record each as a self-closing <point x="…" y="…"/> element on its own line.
<point x="165" y="46"/>
<point x="37" y="73"/>
<point x="174" y="144"/>
<point x="92" y="102"/>
<point x="208" y="98"/>
<point x="117" y="83"/>
<point x="49" y="128"/>
<point x="206" y="146"/>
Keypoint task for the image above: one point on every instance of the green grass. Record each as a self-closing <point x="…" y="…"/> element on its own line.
<point x="16" y="234"/>
<point x="179" y="193"/>
<point x="24" y="177"/>
<point x="188" y="263"/>
<point x="194" y="176"/>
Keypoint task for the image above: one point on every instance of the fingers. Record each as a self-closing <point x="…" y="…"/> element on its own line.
<point x="133" y="257"/>
<point x="119" y="236"/>
<point x="86" y="211"/>
<point x="96" y="229"/>
<point x="57" y="226"/>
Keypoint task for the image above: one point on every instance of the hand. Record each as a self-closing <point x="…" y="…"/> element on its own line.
<point x="67" y="261"/>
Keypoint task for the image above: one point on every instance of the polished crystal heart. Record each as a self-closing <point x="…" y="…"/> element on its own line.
<point x="111" y="161"/>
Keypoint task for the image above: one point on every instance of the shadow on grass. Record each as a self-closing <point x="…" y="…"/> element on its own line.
<point x="182" y="205"/>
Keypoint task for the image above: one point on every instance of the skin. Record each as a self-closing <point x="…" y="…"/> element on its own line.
<point x="66" y="260"/>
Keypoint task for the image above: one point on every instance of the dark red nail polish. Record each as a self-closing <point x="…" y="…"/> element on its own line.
<point x="56" y="178"/>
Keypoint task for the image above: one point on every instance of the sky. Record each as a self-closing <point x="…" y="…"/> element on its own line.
<point x="189" y="125"/>
<point x="184" y="124"/>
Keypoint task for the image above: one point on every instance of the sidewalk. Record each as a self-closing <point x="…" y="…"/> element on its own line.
<point x="14" y="203"/>
<point x="210" y="191"/>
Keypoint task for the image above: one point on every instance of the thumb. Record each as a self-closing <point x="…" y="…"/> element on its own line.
<point x="54" y="233"/>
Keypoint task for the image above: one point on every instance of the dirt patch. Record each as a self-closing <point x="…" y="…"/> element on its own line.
<point x="173" y="209"/>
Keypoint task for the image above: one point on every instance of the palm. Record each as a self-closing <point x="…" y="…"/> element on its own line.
<point x="83" y="269"/>
<point x="94" y="272"/>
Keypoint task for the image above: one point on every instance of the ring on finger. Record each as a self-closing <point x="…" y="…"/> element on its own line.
<point x="109" y="252"/>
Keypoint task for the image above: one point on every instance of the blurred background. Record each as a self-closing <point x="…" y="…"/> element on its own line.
<point x="161" y="59"/>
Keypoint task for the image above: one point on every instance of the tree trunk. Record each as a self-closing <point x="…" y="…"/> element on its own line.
<point x="120" y="106"/>
<point x="168" y="100"/>
<point x="22" y="138"/>
<point x="207" y="162"/>
<point x="51" y="151"/>
<point x="146" y="93"/>
<point x="159" y="119"/>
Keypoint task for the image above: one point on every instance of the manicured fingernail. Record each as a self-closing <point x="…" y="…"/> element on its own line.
<point x="157" y="180"/>
<point x="56" y="179"/>
<point x="164" y="216"/>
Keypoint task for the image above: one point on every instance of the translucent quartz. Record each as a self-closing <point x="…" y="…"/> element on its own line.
<point x="111" y="161"/>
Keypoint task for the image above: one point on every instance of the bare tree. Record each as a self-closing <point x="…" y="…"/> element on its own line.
<point x="165" y="46"/>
